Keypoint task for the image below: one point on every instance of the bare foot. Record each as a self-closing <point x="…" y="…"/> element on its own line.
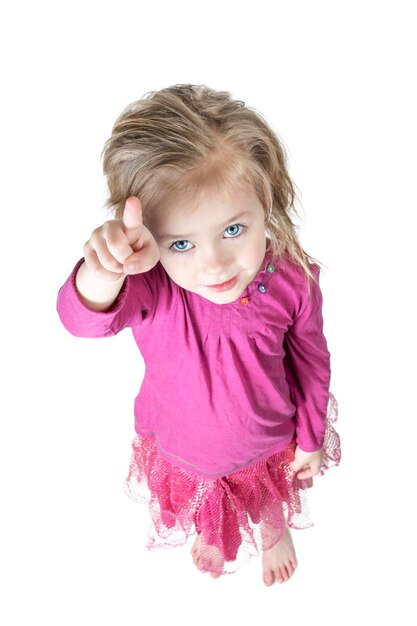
<point x="279" y="562"/>
<point x="195" y="551"/>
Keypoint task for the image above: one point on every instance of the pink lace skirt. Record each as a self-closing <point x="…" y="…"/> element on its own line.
<point x="237" y="515"/>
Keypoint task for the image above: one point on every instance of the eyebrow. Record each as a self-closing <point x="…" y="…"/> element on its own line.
<point x="223" y="225"/>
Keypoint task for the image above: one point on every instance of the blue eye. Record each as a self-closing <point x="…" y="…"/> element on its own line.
<point x="233" y="226"/>
<point x="234" y="236"/>
<point x="177" y="242"/>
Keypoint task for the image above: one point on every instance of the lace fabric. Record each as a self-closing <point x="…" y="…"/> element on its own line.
<point x="236" y="516"/>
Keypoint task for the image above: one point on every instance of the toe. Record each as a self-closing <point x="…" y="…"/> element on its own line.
<point x="279" y="575"/>
<point x="290" y="570"/>
<point x="284" y="572"/>
<point x="201" y="565"/>
<point x="268" y="578"/>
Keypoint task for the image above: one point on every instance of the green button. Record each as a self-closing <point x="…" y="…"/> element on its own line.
<point x="271" y="268"/>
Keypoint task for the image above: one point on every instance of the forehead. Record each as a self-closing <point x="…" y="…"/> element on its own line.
<point x="208" y="211"/>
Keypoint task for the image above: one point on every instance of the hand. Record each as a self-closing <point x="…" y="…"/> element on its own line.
<point x="309" y="462"/>
<point x="118" y="243"/>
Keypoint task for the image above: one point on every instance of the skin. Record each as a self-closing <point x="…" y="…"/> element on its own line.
<point x="212" y="247"/>
<point x="213" y="252"/>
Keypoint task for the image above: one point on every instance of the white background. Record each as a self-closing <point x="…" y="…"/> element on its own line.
<point x="335" y="80"/>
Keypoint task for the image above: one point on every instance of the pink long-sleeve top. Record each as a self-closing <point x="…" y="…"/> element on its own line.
<point x="225" y="385"/>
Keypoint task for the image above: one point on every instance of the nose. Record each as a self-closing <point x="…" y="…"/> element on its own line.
<point x="215" y="265"/>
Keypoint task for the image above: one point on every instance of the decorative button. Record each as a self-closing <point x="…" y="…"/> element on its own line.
<point x="262" y="288"/>
<point x="244" y="300"/>
<point x="271" y="268"/>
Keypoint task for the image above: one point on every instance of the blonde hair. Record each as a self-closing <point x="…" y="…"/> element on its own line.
<point x="186" y="139"/>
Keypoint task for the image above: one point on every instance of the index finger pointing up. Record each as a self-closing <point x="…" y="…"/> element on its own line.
<point x="132" y="213"/>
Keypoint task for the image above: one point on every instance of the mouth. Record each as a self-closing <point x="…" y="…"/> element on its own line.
<point x="224" y="286"/>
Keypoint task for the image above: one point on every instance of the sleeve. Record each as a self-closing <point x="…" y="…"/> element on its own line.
<point x="135" y="305"/>
<point x="307" y="366"/>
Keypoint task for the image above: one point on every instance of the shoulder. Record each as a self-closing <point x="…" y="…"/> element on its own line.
<point x="291" y="282"/>
<point x="293" y="273"/>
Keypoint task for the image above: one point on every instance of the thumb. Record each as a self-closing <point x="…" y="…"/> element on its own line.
<point x="132" y="214"/>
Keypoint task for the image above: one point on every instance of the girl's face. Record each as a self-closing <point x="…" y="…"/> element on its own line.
<point x="211" y="241"/>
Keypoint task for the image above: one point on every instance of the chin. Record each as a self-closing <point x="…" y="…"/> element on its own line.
<point x="224" y="297"/>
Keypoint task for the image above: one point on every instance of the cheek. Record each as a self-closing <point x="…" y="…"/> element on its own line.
<point x="166" y="262"/>
<point x="175" y="269"/>
<point x="256" y="245"/>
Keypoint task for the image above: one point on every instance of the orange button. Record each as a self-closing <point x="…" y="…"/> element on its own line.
<point x="244" y="301"/>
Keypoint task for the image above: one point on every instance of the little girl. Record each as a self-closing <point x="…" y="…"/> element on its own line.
<point x="202" y="261"/>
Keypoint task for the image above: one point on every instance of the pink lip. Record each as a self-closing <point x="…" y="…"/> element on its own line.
<point x="224" y="286"/>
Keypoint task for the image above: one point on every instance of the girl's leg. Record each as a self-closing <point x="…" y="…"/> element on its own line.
<point x="280" y="561"/>
<point x="195" y="552"/>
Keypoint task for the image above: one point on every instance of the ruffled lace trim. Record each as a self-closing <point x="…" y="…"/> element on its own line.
<point x="236" y="516"/>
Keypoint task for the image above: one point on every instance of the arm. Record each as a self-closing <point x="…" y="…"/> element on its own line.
<point x="144" y="299"/>
<point x="81" y="319"/>
<point x="97" y="294"/>
<point x="307" y="366"/>
<point x="91" y="303"/>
